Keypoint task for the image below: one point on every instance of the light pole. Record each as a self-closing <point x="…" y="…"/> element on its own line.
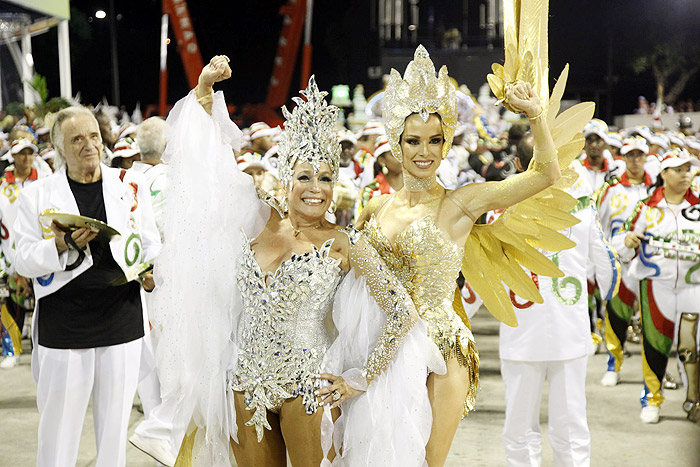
<point x="100" y="14"/>
<point x="115" y="61"/>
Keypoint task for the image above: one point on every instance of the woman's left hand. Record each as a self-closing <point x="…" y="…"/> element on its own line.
<point x="521" y="97"/>
<point x="338" y="392"/>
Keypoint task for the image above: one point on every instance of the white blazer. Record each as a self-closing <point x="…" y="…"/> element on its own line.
<point x="128" y="208"/>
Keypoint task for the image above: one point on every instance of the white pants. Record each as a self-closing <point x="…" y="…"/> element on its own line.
<point x="158" y="413"/>
<point x="567" y="430"/>
<point x="66" y="380"/>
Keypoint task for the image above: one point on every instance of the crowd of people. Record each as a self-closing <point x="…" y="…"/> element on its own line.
<point x="206" y="369"/>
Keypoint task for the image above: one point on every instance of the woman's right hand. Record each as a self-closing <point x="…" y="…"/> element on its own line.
<point x="216" y="70"/>
<point x="632" y="240"/>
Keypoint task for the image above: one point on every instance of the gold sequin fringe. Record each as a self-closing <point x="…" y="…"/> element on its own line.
<point x="468" y="359"/>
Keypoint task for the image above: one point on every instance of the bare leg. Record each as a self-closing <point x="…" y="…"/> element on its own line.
<point x="248" y="451"/>
<point x="302" y="433"/>
<point x="447" y="394"/>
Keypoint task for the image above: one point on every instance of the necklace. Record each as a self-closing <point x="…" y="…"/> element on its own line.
<point x="296" y="231"/>
<point x="412" y="183"/>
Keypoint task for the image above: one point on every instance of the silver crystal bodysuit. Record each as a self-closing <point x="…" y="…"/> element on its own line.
<point x="281" y="337"/>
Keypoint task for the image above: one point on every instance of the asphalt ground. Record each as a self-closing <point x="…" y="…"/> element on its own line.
<point x="618" y="437"/>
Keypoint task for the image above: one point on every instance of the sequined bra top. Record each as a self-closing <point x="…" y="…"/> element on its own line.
<point x="428" y="266"/>
<point x="422" y="259"/>
<point x="281" y="336"/>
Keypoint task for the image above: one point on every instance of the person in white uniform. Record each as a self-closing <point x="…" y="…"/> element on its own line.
<point x="616" y="200"/>
<point x="551" y="342"/>
<point x="87" y="332"/>
<point x="154" y="435"/>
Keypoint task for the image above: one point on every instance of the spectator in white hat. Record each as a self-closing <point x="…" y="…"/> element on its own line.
<point x="692" y="145"/>
<point x="349" y="168"/>
<point x="388" y="180"/>
<point x="18" y="175"/>
<point x="251" y="164"/>
<point x="614" y="141"/>
<point x="127" y="129"/>
<point x="261" y="138"/>
<point x="126" y="152"/>
<point x="47" y="155"/>
<point x="154" y="434"/>
<point x="616" y="201"/>
<point x="42" y="134"/>
<point x="369" y="135"/>
<point x="596" y="158"/>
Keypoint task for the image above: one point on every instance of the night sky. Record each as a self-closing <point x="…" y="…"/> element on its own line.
<point x="581" y="33"/>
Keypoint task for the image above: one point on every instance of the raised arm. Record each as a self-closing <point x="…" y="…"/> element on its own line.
<point x="216" y="70"/>
<point x="479" y="198"/>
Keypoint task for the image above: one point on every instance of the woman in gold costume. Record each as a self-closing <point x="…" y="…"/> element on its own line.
<point x="420" y="229"/>
<point x="292" y="302"/>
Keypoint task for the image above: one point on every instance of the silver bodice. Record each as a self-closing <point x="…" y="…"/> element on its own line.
<point x="281" y="337"/>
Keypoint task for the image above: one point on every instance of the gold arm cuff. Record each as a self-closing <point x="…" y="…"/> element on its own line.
<point x="544" y="156"/>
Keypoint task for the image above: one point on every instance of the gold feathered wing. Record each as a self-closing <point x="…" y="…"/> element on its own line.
<point x="497" y="253"/>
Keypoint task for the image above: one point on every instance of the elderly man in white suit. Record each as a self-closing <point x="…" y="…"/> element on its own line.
<point x="87" y="330"/>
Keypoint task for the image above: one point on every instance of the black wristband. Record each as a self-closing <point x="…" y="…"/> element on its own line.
<point x="67" y="237"/>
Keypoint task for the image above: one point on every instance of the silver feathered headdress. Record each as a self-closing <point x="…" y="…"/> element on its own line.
<point x="309" y="134"/>
<point x="419" y="92"/>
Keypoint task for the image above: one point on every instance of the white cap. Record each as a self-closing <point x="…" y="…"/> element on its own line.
<point x="675" y="139"/>
<point x="260" y="129"/>
<point x="125" y="147"/>
<point x="347" y="135"/>
<point x="126" y="129"/>
<point x="634" y="142"/>
<point x="373" y="128"/>
<point x="47" y="153"/>
<point x="22" y="143"/>
<point x="692" y="142"/>
<point x="659" y="140"/>
<point x="613" y="139"/>
<point x="249" y="160"/>
<point x="381" y="146"/>
<point x="596" y="127"/>
<point x="640" y="130"/>
<point x="678" y="157"/>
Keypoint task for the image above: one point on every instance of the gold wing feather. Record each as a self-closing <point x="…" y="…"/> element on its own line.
<point x="497" y="253"/>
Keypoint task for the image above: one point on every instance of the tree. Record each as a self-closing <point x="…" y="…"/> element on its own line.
<point x="672" y="68"/>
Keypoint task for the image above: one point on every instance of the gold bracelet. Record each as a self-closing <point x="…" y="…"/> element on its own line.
<point x="544" y="156"/>
<point x="538" y="116"/>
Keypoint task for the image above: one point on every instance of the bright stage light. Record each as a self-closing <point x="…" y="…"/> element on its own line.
<point x="100" y="14"/>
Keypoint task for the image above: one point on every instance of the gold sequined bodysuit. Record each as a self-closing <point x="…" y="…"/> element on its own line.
<point x="428" y="266"/>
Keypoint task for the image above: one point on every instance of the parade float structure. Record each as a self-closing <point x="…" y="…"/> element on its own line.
<point x="27" y="19"/>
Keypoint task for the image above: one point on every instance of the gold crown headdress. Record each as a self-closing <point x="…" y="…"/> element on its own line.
<point x="309" y="134"/>
<point x="422" y="93"/>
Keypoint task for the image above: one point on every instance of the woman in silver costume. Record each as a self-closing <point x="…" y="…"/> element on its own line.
<point x="420" y="229"/>
<point x="254" y="367"/>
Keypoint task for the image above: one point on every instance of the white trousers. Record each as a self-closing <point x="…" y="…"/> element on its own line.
<point x="567" y="429"/>
<point x="66" y="380"/>
<point x="158" y="413"/>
